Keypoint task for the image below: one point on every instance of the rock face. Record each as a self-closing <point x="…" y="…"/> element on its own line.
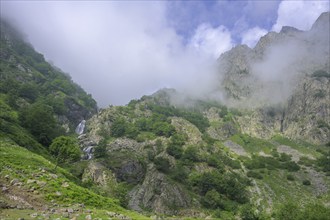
<point x="308" y="111"/>
<point x="100" y="175"/>
<point x="288" y="71"/>
<point x="159" y="194"/>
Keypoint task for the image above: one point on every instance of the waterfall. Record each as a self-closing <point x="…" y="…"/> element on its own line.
<point x="80" y="128"/>
<point x="89" y="152"/>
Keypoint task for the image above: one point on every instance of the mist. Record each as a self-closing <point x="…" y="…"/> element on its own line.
<point x="118" y="51"/>
<point x="285" y="62"/>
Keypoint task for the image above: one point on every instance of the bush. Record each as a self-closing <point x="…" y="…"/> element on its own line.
<point x="212" y="200"/>
<point x="179" y="174"/>
<point x="306" y="182"/>
<point x="230" y="185"/>
<point x="162" y="164"/>
<point x="65" y="149"/>
<point x="191" y="154"/>
<point x="324" y="161"/>
<point x="175" y="151"/>
<point x="290" y="177"/>
<point x="291" y="166"/>
<point x="39" y="120"/>
<point x="254" y="174"/>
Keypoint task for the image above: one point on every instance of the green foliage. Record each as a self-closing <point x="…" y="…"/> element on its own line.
<point x="65" y="149"/>
<point x="119" y="127"/>
<point x="163" y="129"/>
<point x="179" y="173"/>
<point x="174" y="147"/>
<point x="251" y="144"/>
<point x="190" y="154"/>
<point x="39" y="120"/>
<point x="19" y="163"/>
<point x="230" y="185"/>
<point x="290" y="177"/>
<point x="282" y="162"/>
<point x="254" y="174"/>
<point x="248" y="212"/>
<point x="100" y="151"/>
<point x="195" y="118"/>
<point x="306" y="182"/>
<point x="323" y="124"/>
<point x="29" y="91"/>
<point x="324" y="161"/>
<point x="175" y="151"/>
<point x="162" y="164"/>
<point x="311" y="211"/>
<point x="212" y="200"/>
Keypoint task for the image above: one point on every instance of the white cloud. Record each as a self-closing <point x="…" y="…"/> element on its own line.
<point x="252" y="36"/>
<point x="299" y="13"/>
<point x="118" y="51"/>
<point x="211" y="41"/>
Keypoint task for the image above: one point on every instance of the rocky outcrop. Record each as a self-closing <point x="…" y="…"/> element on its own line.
<point x="183" y="126"/>
<point x="98" y="174"/>
<point x="307" y="115"/>
<point x="289" y="69"/>
<point x="159" y="194"/>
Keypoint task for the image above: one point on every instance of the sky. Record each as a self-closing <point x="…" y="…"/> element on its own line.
<point x="122" y="50"/>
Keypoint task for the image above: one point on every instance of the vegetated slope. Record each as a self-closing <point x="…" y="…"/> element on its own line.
<point x="37" y="100"/>
<point x="196" y="162"/>
<point x="31" y="188"/>
<point x="200" y="158"/>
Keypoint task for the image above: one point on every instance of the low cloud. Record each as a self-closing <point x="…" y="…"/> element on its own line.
<point x="300" y="14"/>
<point x="118" y="51"/>
<point x="252" y="36"/>
<point x="211" y="41"/>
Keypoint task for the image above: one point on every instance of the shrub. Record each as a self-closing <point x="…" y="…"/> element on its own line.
<point x="162" y="164"/>
<point x="65" y="149"/>
<point x="306" y="182"/>
<point x="191" y="154"/>
<point x="175" y="151"/>
<point x="290" y="177"/>
<point x="212" y="199"/>
<point x="254" y="174"/>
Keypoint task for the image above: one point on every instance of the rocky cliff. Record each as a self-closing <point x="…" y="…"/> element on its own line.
<point x="288" y="72"/>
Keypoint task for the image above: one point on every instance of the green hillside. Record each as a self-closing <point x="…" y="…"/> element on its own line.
<point x="37" y="100"/>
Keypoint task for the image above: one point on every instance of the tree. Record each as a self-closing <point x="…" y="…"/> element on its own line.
<point x="65" y="149"/>
<point x="39" y="119"/>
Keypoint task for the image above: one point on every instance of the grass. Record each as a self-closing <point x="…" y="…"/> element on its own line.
<point x="32" y="169"/>
<point x="303" y="147"/>
<point x="252" y="144"/>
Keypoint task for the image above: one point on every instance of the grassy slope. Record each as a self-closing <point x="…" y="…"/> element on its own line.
<point x="31" y="171"/>
<point x="274" y="187"/>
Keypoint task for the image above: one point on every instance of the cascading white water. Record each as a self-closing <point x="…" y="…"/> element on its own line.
<point x="80" y="128"/>
<point x="89" y="152"/>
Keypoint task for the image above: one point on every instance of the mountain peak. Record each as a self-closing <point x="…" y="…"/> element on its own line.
<point x="288" y="29"/>
<point x="322" y="22"/>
